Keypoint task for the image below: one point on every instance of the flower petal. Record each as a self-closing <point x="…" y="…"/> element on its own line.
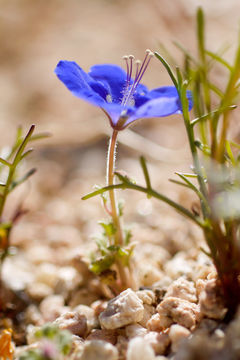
<point x="117" y="111"/>
<point x="80" y="83"/>
<point x="170" y="91"/>
<point x="164" y="91"/>
<point x="159" y="107"/>
<point x="113" y="76"/>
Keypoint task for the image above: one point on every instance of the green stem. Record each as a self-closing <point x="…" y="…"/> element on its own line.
<point x="110" y="181"/>
<point x="191" y="139"/>
<point x="124" y="276"/>
<point x="12" y="168"/>
<point x="168" y="201"/>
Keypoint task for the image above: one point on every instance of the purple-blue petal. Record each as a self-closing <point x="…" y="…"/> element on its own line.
<point x="158" y="107"/>
<point x="115" y="111"/>
<point x="170" y="91"/>
<point x="110" y="75"/>
<point x="80" y="83"/>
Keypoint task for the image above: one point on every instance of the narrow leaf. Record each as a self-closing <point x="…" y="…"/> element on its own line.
<point x="5" y="162"/>
<point x="219" y="59"/>
<point x="145" y="171"/>
<point x="168" y="68"/>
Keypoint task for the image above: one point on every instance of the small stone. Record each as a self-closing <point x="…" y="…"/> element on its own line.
<point x="183" y="289"/>
<point x="125" y="309"/>
<point x="30" y="334"/>
<point x="122" y="345"/>
<point x="38" y="291"/>
<point x="177" y="334"/>
<point x="147" y="296"/>
<point x="179" y="311"/>
<point x="98" y="350"/>
<point x="138" y="348"/>
<point x="99" y="306"/>
<point x="148" y="313"/>
<point x="89" y="313"/>
<point x="158" y="323"/>
<point x="77" y="347"/>
<point x="52" y="307"/>
<point x="148" y="274"/>
<point x="103" y="334"/>
<point x="33" y="316"/>
<point x="74" y="322"/>
<point x="158" y="341"/>
<point x="135" y="330"/>
<point x="179" y="265"/>
<point x="68" y="279"/>
<point x="82" y="296"/>
<point x="47" y="274"/>
<point x="210" y="299"/>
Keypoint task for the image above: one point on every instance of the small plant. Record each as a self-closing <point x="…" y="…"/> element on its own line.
<point x="124" y="100"/>
<point x="216" y="160"/>
<point x="9" y="166"/>
<point x="10" y="162"/>
<point x="53" y="344"/>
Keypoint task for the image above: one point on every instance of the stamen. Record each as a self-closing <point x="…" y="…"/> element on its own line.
<point x="128" y="93"/>
<point x="125" y="57"/>
<point x="131" y="58"/>
<point x="150" y="55"/>
<point x="138" y="63"/>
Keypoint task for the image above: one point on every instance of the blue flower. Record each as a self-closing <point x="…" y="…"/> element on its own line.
<point x="122" y="98"/>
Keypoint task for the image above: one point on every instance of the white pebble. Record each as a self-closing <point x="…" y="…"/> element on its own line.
<point x="138" y="349"/>
<point x="98" y="350"/>
<point x="125" y="309"/>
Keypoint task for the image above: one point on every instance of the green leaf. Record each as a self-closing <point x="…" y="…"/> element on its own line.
<point x="230" y="153"/>
<point x="124" y="255"/>
<point x="22" y="180"/>
<point x="219" y="59"/>
<point x="168" y="68"/>
<point x="102" y="244"/>
<point x="145" y="171"/>
<point x="40" y="136"/>
<point x="177" y="182"/>
<point x="211" y="113"/>
<point x="48" y="330"/>
<point x="200" y="32"/>
<point x="128" y="236"/>
<point x="185" y="51"/>
<point x="102" y="264"/>
<point x="108" y="227"/>
<point x="204" y="148"/>
<point x="29" y="151"/>
<point x="104" y="189"/>
<point x="64" y="340"/>
<point x="120" y="207"/>
<point x="5" y="162"/>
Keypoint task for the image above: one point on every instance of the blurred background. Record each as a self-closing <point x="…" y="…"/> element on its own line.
<point x="34" y="36"/>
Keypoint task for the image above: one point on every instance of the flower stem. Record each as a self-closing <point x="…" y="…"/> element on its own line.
<point x="118" y="237"/>
<point x="110" y="181"/>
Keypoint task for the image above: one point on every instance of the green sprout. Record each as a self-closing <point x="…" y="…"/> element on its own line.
<point x="9" y="169"/>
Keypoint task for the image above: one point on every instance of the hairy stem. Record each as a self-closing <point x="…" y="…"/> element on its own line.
<point x="118" y="237"/>
<point x="110" y="181"/>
